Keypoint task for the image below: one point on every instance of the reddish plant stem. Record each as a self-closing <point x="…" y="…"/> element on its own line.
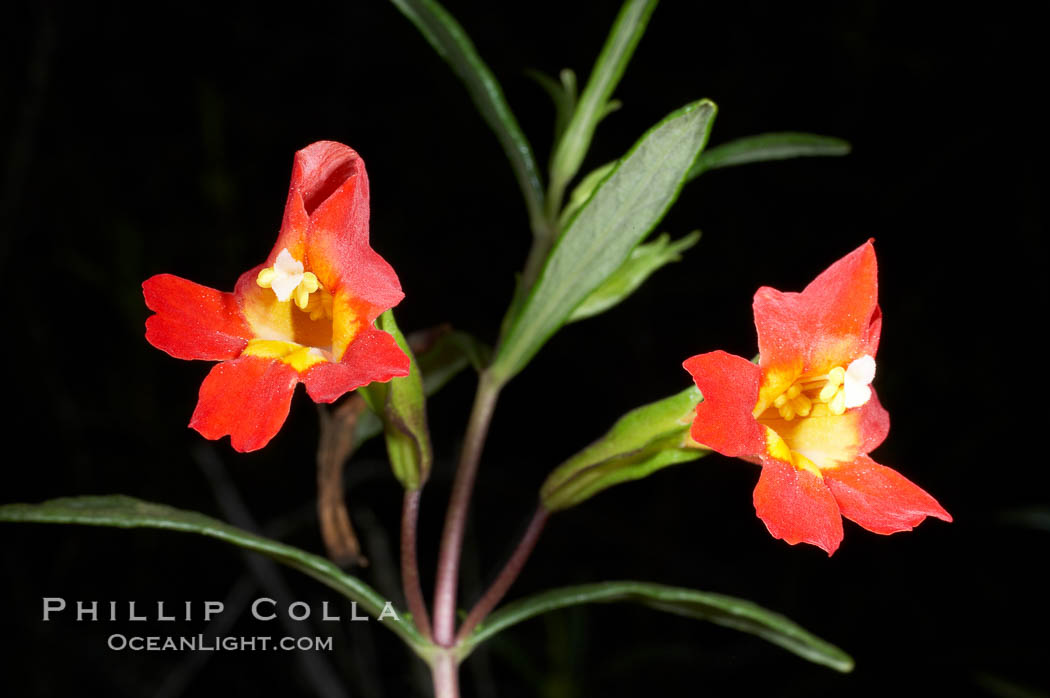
<point x="456" y="517"/>
<point x="507" y="575"/>
<point x="445" y="673"/>
<point x="417" y="605"/>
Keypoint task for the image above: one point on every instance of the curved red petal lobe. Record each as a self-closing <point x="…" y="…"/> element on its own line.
<point x="359" y="271"/>
<point x="843" y="298"/>
<point x="325" y="167"/>
<point x="338" y="247"/>
<point x="780" y="342"/>
<point x="318" y="170"/>
<point x="723" y="420"/>
<point x="294" y="226"/>
<point x="247" y="398"/>
<point x="373" y="356"/>
<point x="294" y="223"/>
<point x="796" y="506"/>
<point x="193" y="321"/>
<point x="873" y="333"/>
<point x="879" y="498"/>
<point x="874" y="424"/>
<point x="830" y="323"/>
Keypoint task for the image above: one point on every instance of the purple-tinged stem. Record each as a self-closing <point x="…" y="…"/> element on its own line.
<point x="507" y="575"/>
<point x="417" y="605"/>
<point x="456" y="517"/>
<point x="445" y="673"/>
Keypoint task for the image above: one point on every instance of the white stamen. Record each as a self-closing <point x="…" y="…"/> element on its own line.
<point x="289" y="272"/>
<point x="859" y="375"/>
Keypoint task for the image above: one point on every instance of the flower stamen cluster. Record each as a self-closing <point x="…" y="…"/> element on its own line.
<point x="833" y="393"/>
<point x="288" y="279"/>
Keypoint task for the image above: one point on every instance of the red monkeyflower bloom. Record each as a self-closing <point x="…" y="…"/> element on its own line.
<point x="304" y="315"/>
<point x="807" y="412"/>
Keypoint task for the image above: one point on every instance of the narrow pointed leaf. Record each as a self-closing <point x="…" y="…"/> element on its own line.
<point x="568" y="80"/>
<point x="768" y="146"/>
<point x="563" y="94"/>
<point x="452" y="353"/>
<point x="127" y="512"/>
<point x="626" y="206"/>
<point x="627" y="30"/>
<point x="611" y="106"/>
<point x="640" y="265"/>
<point x="447" y="37"/>
<point x="727" y="611"/>
<point x="641" y="442"/>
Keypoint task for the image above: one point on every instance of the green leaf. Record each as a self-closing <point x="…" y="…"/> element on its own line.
<point x="627" y="204"/>
<point x="451" y="353"/>
<point x="641" y="442"/>
<point x="563" y="94"/>
<point x="568" y="81"/>
<point x="447" y="37"/>
<point x="644" y="260"/>
<point x="610" y="106"/>
<point x="401" y="405"/>
<point x="583" y="191"/>
<point x="768" y="146"/>
<point x="727" y="611"/>
<point x="568" y="155"/>
<point x="127" y="512"/>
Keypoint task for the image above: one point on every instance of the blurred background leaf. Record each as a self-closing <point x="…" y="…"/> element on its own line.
<point x="767" y="147"/>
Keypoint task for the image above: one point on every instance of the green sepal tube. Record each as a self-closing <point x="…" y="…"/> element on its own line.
<point x="401" y="405"/>
<point x="641" y="442"/>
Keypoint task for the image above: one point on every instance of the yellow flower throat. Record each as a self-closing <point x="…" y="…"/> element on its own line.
<point x="824" y="434"/>
<point x="295" y="288"/>
<point x="816" y="395"/>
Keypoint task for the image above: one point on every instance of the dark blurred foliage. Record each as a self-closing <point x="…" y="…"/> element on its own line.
<point x="155" y="137"/>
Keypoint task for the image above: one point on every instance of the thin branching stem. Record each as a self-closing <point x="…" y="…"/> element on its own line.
<point x="445" y="671"/>
<point x="507" y="575"/>
<point x="417" y="605"/>
<point x="458" y="507"/>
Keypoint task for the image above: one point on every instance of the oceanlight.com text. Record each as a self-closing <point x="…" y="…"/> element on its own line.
<point x="227" y="643"/>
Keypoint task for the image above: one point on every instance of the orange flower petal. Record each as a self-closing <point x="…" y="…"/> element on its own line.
<point x="318" y="170"/>
<point x="796" y="506"/>
<point x="879" y="498"/>
<point x="193" y="321"/>
<point x="372" y="356"/>
<point x="874" y="425"/>
<point x="338" y="247"/>
<point x="834" y="320"/>
<point x="247" y="398"/>
<point x="723" y="420"/>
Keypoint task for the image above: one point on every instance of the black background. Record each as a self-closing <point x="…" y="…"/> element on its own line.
<point x="150" y="138"/>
